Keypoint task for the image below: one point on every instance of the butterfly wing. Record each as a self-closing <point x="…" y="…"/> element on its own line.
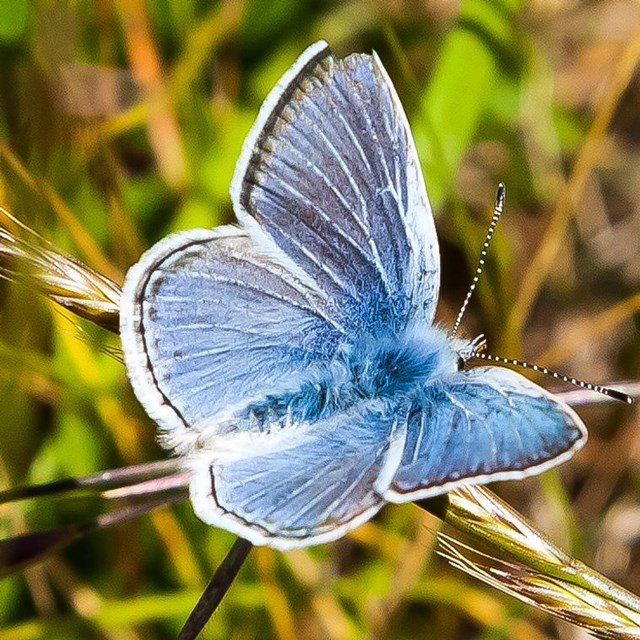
<point x="330" y="172"/>
<point x="309" y="485"/>
<point x="482" y="425"/>
<point x="211" y="319"/>
<point x="338" y="240"/>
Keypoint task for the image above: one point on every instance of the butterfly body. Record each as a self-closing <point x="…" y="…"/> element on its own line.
<point x="293" y="360"/>
<point x="389" y="369"/>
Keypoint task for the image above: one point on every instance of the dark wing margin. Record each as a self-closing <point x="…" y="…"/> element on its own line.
<point x="329" y="171"/>
<point x="482" y="425"/>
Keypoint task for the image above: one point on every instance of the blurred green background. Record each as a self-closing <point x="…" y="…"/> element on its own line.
<point x="121" y="121"/>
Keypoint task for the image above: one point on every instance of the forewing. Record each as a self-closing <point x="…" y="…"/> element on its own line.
<point x="330" y="172"/>
<point x="482" y="425"/>
<point x="210" y="321"/>
<point x="300" y="486"/>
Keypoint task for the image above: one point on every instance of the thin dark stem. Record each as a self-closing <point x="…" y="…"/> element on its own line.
<point x="23" y="550"/>
<point x="216" y="590"/>
<point x="104" y="480"/>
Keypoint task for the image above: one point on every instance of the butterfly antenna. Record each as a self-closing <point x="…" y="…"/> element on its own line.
<point x="497" y="212"/>
<point x="606" y="391"/>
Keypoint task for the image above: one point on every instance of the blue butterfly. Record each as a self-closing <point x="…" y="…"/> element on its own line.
<point x="292" y="360"/>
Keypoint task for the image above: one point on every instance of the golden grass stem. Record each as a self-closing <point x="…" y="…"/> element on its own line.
<point x="62" y="278"/>
<point x="532" y="568"/>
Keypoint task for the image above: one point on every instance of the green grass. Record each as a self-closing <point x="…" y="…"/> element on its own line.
<point x="538" y="95"/>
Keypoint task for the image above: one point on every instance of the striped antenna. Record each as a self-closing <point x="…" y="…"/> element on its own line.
<point x="476" y="348"/>
<point x="606" y="391"/>
<point x="497" y="212"/>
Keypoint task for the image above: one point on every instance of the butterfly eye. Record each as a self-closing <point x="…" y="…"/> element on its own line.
<point x="461" y="362"/>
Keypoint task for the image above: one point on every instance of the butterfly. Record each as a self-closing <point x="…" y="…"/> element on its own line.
<point x="292" y="360"/>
